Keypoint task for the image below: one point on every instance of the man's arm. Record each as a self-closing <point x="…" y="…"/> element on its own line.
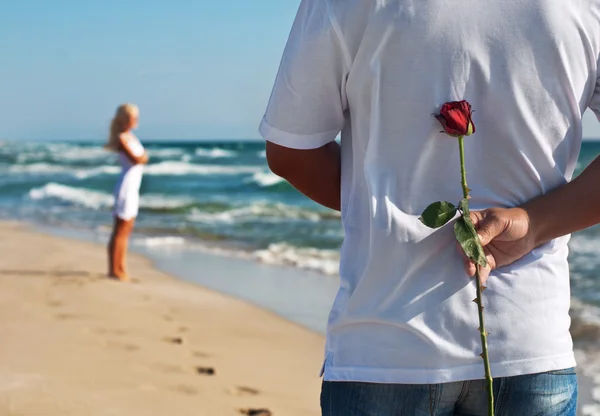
<point x="508" y="234"/>
<point x="316" y="172"/>
<point x="568" y="209"/>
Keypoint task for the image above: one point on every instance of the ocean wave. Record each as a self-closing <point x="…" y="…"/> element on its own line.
<point x="29" y="157"/>
<point x="164" y="203"/>
<point x="160" y="242"/>
<point x="262" y="154"/>
<point x="585" y="330"/>
<point x="59" y="152"/>
<point x="97" y="200"/>
<point x="38" y="168"/>
<point x="78" y="196"/>
<point x="53" y="169"/>
<point x="263" y="210"/>
<point x="166" y="168"/>
<point x="173" y="168"/>
<point x="266" y="179"/>
<point x="322" y="261"/>
<point x="165" y="153"/>
<point x="101" y="170"/>
<point x="77" y="153"/>
<point x="215" y="153"/>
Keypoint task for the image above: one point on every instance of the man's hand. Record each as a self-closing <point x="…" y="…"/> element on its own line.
<point x="506" y="235"/>
<point x="509" y="234"/>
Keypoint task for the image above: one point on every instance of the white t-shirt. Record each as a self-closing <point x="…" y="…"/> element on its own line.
<point x="376" y="70"/>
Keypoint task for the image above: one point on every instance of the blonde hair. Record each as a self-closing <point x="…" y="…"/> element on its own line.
<point x="120" y="124"/>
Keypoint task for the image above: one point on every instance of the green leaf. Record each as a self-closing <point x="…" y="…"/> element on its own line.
<point x="465" y="233"/>
<point x="438" y="214"/>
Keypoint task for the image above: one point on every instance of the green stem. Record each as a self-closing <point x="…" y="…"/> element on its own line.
<point x="463" y="170"/>
<point x="480" y="288"/>
<point x="485" y="355"/>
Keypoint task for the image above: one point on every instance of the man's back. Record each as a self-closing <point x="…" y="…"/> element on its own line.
<point x="377" y="70"/>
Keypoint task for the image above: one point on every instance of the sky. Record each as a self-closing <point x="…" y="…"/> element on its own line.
<point x="198" y="69"/>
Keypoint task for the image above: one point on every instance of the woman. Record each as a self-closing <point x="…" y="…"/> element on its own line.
<point x="132" y="157"/>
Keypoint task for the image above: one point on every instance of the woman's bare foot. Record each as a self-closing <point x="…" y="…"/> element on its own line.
<point x="120" y="277"/>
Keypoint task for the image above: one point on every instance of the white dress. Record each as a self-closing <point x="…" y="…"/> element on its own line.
<point x="127" y="191"/>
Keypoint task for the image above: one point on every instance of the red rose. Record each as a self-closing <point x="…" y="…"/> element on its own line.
<point x="455" y="118"/>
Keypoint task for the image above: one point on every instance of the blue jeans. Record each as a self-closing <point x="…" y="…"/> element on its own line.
<point x="546" y="394"/>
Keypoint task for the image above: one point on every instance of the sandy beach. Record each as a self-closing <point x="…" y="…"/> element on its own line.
<point x="75" y="343"/>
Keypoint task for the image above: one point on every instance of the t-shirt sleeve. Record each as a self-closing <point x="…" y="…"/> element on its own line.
<point x="307" y="104"/>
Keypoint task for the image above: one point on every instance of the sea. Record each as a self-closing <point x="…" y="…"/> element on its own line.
<point x="221" y="197"/>
<point x="216" y="194"/>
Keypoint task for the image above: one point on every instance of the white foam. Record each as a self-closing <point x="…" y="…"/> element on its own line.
<point x="165" y="153"/>
<point x="77" y="153"/>
<point x="38" y="168"/>
<point x="164" y="201"/>
<point x="102" y="170"/>
<point x="78" y="196"/>
<point x="266" y="179"/>
<point x="583" y="244"/>
<point x="61" y="152"/>
<point x="262" y="153"/>
<point x="26" y="157"/>
<point x="585" y="318"/>
<point x="273" y="213"/>
<point x="96" y="200"/>
<point x="590" y="410"/>
<point x="154" y="242"/>
<point x="177" y="168"/>
<point x="323" y="261"/>
<point x="50" y="169"/>
<point x="215" y="153"/>
<point x="166" y="168"/>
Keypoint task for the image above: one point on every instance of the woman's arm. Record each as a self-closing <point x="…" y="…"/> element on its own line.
<point x="125" y="147"/>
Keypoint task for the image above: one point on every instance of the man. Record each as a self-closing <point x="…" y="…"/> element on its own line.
<point x="402" y="337"/>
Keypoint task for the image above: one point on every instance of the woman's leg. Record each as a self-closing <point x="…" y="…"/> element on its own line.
<point x="117" y="248"/>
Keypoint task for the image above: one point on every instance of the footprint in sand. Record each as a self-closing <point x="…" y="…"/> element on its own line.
<point x="106" y="331"/>
<point x="200" y="354"/>
<point x="121" y="346"/>
<point x="183" y="329"/>
<point x="168" y="368"/>
<point x="255" y="412"/>
<point x="244" y="391"/>
<point x="205" y="371"/>
<point x="54" y="303"/>
<point x="184" y="389"/>
<point x="174" y="340"/>
<point x="66" y="316"/>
